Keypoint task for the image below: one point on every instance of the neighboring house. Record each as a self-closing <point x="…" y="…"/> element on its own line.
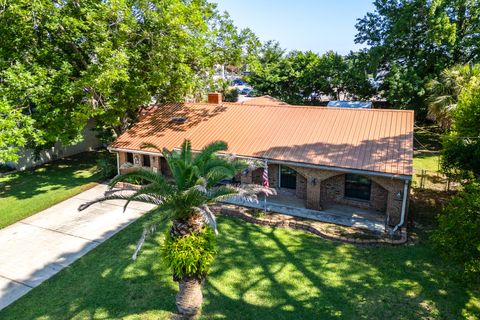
<point x="337" y="160"/>
<point x="28" y="159"/>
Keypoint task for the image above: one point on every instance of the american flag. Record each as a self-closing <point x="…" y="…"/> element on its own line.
<point x="265" y="183"/>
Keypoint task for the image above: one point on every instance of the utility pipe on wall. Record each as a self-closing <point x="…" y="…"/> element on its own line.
<point x="404" y="207"/>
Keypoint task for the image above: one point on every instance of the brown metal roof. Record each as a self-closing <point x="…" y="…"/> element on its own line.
<point x="363" y="139"/>
<point x="264" y="101"/>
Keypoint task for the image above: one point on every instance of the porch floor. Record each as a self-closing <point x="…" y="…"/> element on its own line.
<point x="289" y="204"/>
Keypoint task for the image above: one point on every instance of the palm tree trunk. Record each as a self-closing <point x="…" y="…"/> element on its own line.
<point x="189" y="297"/>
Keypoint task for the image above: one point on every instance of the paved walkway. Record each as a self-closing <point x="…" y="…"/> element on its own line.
<point x="341" y="215"/>
<point x="36" y="248"/>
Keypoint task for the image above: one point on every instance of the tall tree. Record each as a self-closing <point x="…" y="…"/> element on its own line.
<point x="462" y="145"/>
<point x="64" y="62"/>
<point x="443" y="92"/>
<point x="415" y="40"/>
<point x="301" y="77"/>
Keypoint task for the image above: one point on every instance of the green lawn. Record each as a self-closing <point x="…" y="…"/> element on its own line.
<point x="426" y="160"/>
<point x="260" y="273"/>
<point x="25" y="193"/>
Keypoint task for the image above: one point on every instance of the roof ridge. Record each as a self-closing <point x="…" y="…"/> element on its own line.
<point x="294" y="106"/>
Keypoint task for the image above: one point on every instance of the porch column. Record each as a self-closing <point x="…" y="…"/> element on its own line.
<point x="155" y="163"/>
<point x="313" y="195"/>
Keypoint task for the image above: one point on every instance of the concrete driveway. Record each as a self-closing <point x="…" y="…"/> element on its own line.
<point x="36" y="248"/>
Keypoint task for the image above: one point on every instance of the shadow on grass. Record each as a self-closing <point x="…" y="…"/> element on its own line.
<point x="274" y="274"/>
<point x="60" y="174"/>
<point x="105" y="283"/>
<point x="260" y="273"/>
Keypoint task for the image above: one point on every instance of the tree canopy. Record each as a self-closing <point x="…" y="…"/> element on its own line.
<point x="302" y="77"/>
<point x="65" y="62"/>
<point x="462" y="145"/>
<point x="414" y="40"/>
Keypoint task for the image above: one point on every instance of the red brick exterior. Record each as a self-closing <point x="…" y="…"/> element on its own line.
<point x="319" y="188"/>
<point x="333" y="192"/>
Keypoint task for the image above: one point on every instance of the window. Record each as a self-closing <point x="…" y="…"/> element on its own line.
<point x="146" y="160"/>
<point x="288" y="178"/>
<point x="130" y="157"/>
<point x="357" y="187"/>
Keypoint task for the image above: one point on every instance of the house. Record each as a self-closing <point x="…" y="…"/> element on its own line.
<point x="337" y="162"/>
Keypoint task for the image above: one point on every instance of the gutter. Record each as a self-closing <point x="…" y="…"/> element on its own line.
<point x="298" y="164"/>
<point x="134" y="151"/>
<point x="404" y="207"/>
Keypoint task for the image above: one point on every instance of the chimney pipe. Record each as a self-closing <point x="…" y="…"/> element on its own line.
<point x="215" y="98"/>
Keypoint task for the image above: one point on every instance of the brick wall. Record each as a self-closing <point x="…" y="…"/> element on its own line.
<point x="273" y="175"/>
<point x="155" y="162"/>
<point x="385" y="199"/>
<point x="319" y="187"/>
<point x="256" y="176"/>
<point x="333" y="192"/>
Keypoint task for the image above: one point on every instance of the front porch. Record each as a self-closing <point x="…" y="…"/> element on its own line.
<point x="285" y="202"/>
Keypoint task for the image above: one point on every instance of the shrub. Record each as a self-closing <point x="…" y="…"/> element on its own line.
<point x="5" y="168"/>
<point x="259" y="213"/>
<point x="458" y="232"/>
<point x="230" y="95"/>
<point x="107" y="165"/>
<point x="189" y="255"/>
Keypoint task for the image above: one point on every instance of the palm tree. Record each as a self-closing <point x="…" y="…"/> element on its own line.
<point x="185" y="199"/>
<point x="443" y="92"/>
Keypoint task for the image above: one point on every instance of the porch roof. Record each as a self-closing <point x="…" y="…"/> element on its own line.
<point x="372" y="140"/>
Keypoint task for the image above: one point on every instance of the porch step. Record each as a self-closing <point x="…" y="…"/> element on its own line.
<point x="323" y="216"/>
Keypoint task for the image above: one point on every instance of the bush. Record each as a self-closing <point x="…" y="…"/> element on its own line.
<point x="190" y="255"/>
<point x="230" y="95"/>
<point x="107" y="165"/>
<point x="5" y="168"/>
<point x="458" y="233"/>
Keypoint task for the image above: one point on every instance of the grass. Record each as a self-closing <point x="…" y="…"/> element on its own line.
<point x="23" y="194"/>
<point x="260" y="273"/>
<point x="427" y="146"/>
<point x="427" y="137"/>
<point x="426" y="160"/>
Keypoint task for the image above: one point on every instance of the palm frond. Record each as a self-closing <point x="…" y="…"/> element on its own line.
<point x="186" y="152"/>
<point x="113" y="196"/>
<point x="154" y="193"/>
<point x="208" y="216"/>
<point x="209" y="151"/>
<point x="158" y="216"/>
<point x="144" y="174"/>
<point x="127" y="195"/>
<point x="146" y="145"/>
<point x="217" y="174"/>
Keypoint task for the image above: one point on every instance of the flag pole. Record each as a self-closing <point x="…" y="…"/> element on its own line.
<point x="265" y="183"/>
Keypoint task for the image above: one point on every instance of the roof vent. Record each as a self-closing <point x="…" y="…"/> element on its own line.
<point x="179" y="120"/>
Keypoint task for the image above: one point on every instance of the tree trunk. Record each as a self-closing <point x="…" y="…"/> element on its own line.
<point x="189" y="297"/>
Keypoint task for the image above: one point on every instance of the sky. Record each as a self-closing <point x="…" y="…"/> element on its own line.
<point x="316" y="25"/>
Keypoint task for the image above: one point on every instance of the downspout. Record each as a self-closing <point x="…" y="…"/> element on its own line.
<point x="118" y="164"/>
<point x="404" y="207"/>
